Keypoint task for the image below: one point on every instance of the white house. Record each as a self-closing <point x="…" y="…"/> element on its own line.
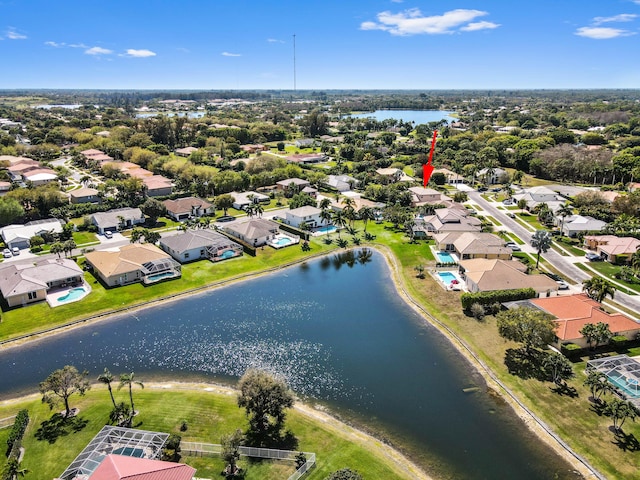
<point x="576" y="224"/>
<point x="242" y="200"/>
<point x="20" y="235"/>
<point x="494" y="176"/>
<point x="114" y="220"/>
<point x="307" y="214"/>
<point x="342" y="183"/>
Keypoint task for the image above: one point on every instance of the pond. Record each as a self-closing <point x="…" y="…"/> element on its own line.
<point x="418" y="117"/>
<point x="336" y="329"/>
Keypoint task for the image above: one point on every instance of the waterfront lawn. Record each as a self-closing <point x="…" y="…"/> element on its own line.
<point x="209" y="416"/>
<point x="197" y="275"/>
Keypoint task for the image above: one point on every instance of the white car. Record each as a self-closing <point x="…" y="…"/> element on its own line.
<point x="6" y="253"/>
<point x="108" y="234"/>
<point x="15" y="251"/>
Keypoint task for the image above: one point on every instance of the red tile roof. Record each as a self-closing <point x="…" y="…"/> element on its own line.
<point x="120" y="467"/>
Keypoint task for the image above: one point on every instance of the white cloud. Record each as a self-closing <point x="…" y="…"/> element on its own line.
<point x="602" y="33"/>
<point x="98" y="51"/>
<point x="474" y="26"/>
<point x="413" y="22"/>
<point x="140" y="53"/>
<point x="55" y="44"/>
<point x="13" y="35"/>
<point x="623" y="17"/>
<point x="63" y="44"/>
<point x="274" y="40"/>
<point x="227" y="54"/>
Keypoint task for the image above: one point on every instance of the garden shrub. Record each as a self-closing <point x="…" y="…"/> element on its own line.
<point x="17" y="431"/>
<point x="618" y="341"/>
<point x="496" y="296"/>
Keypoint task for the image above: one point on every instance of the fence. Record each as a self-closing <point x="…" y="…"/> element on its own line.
<point x="197" y="449"/>
<point x="7" y="422"/>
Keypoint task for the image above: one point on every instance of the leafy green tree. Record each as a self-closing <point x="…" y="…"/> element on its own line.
<point x="128" y="380"/>
<point x="265" y="398"/>
<point x="171" y="449"/>
<point x="597" y="383"/>
<point x="61" y="384"/>
<point x="107" y="378"/>
<point x="231" y="452"/>
<point x="541" y="241"/>
<point x="532" y="328"/>
<point x="13" y="469"/>
<point x="57" y="248"/>
<point x="153" y="209"/>
<point x="558" y="367"/>
<point x="224" y="202"/>
<point x="596" y="333"/>
<point x="301" y="200"/>
<point x="620" y="410"/>
<point x="10" y="211"/>
<point x="597" y="288"/>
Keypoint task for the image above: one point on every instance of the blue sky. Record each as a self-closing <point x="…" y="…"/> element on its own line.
<point x="350" y="44"/>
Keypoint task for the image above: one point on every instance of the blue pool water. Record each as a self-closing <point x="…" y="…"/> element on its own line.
<point x="444" y="257"/>
<point x="129" y="452"/>
<point x="73" y="294"/>
<point x="447" y="277"/>
<point x="628" y="385"/>
<point x="327" y="229"/>
<point x="160" y="276"/>
<point x="283" y="241"/>
<point x="227" y="254"/>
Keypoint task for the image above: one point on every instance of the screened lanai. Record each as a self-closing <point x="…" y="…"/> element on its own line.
<point x="622" y="372"/>
<point x="160" y="269"/>
<point x="114" y="440"/>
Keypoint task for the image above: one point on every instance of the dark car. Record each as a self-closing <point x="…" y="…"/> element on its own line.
<point x="226" y="218"/>
<point x="483" y="189"/>
<point x="593" y="257"/>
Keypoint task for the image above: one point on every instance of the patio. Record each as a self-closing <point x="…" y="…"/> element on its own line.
<point x="73" y="292"/>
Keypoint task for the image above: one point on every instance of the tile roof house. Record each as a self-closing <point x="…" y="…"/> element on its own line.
<point x="612" y="248"/>
<point x="298" y="183"/>
<point x="157" y="186"/>
<point x="198" y="244"/>
<point x="573" y="312"/>
<point x="186" y="151"/>
<point x="255" y="231"/>
<point x="468" y="245"/>
<point x="452" y="219"/>
<point x="116" y="219"/>
<point x="573" y="225"/>
<point x="395" y="174"/>
<point x="452" y="177"/>
<point x="21" y="284"/>
<point x="342" y="183"/>
<point x="40" y="176"/>
<point x="307" y="158"/>
<point x="241" y="200"/>
<point x="427" y="196"/>
<point x="84" y="195"/>
<point x="119" y="467"/>
<point x="534" y="196"/>
<point x="183" y="208"/>
<point x="307" y="214"/>
<point x="492" y="177"/>
<point x="132" y="263"/>
<point x="482" y="275"/>
<point x="20" y="235"/>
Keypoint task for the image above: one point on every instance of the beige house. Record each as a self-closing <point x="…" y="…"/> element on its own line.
<point x="21" y="284"/>
<point x="468" y="245"/>
<point x="186" y="151"/>
<point x="133" y="263"/>
<point x="255" y="231"/>
<point x="427" y="196"/>
<point x="84" y="195"/>
<point x="612" y="248"/>
<point x="482" y="275"/>
<point x="195" y="245"/>
<point x="183" y="208"/>
<point x="444" y="220"/>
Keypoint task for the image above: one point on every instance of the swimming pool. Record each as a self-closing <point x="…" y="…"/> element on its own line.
<point x="71" y="295"/>
<point x="447" y="277"/>
<point x="445" y="257"/>
<point x="227" y="254"/>
<point x="628" y="385"/>
<point x="159" y="276"/>
<point x="327" y="229"/>
<point x="282" y="241"/>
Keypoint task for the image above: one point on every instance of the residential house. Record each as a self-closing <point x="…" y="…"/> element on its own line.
<point x="99" y="156"/>
<point x="428" y="196"/>
<point x="468" y="245"/>
<point x="613" y="249"/>
<point x="4" y="187"/>
<point x="198" y="244"/>
<point x="535" y="196"/>
<point x="84" y="195"/>
<point x="297" y="183"/>
<point x="308" y="215"/>
<point x="186" y="151"/>
<point x="452" y="219"/>
<point x="241" y="200"/>
<point x="394" y="174"/>
<point x="452" y="177"/>
<point x="492" y="176"/>
<point x="182" y="208"/>
<point x="157" y="186"/>
<point x="121" y="467"/>
<point x="40" y="176"/>
<point x="304" y="142"/>
<point x="341" y="183"/>
<point x="254" y="231"/>
<point x="482" y="275"/>
<point x="132" y="263"/>
<point x="20" y="235"/>
<point x="307" y="158"/>
<point x="574" y="225"/>
<point x="573" y="312"/>
<point x="21" y="284"/>
<point x="117" y="219"/>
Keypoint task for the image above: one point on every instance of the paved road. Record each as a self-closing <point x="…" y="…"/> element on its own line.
<point x="562" y="264"/>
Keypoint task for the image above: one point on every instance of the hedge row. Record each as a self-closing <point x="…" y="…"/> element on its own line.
<point x="496" y="296"/>
<point x="17" y="431"/>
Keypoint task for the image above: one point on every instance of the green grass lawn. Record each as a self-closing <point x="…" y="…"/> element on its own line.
<point x="609" y="270"/>
<point x="530" y="220"/>
<point x="209" y="416"/>
<point x="493" y="220"/>
<point x="567" y="245"/>
<point x="85" y="238"/>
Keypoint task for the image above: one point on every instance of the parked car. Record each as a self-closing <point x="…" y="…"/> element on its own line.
<point x="508" y="201"/>
<point x="562" y="285"/>
<point x="513" y="246"/>
<point x="227" y="218"/>
<point x="483" y="189"/>
<point x="6" y="253"/>
<point x="593" y="257"/>
<point x="511" y="215"/>
<point x="15" y="251"/>
<point x="108" y="234"/>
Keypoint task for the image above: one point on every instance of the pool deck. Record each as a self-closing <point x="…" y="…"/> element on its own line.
<point x="55" y="293"/>
<point x="435" y="252"/>
<point x="293" y="240"/>
<point x="460" y="286"/>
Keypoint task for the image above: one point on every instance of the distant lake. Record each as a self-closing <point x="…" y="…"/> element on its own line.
<point x="337" y="330"/>
<point x="418" y="117"/>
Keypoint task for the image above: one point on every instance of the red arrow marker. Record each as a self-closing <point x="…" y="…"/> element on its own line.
<point x="427" y="168"/>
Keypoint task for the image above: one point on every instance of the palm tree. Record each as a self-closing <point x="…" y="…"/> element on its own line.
<point x="366" y="214"/>
<point x="325" y="203"/>
<point x="107" y="378"/>
<point x="128" y="379"/>
<point x="339" y="220"/>
<point x="258" y="209"/>
<point x="564" y="211"/>
<point x="635" y="261"/>
<point x="58" y="248"/>
<point x="326" y="217"/>
<point x="598" y="288"/>
<point x="541" y="241"/>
